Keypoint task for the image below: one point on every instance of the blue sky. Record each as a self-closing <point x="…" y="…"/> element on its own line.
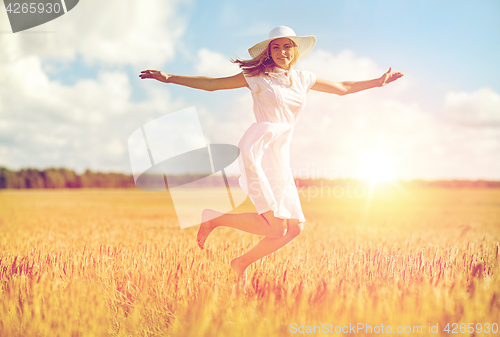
<point x="70" y="94"/>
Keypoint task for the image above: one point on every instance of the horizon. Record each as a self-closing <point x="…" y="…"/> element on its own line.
<point x="296" y="178"/>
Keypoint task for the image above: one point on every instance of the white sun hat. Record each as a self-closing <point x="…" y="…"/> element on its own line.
<point x="304" y="43"/>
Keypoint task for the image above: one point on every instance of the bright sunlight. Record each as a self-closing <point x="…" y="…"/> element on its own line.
<point x="377" y="166"/>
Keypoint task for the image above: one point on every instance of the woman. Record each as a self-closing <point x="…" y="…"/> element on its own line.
<point x="278" y="93"/>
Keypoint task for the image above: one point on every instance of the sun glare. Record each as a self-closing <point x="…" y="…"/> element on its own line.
<point x="377" y="167"/>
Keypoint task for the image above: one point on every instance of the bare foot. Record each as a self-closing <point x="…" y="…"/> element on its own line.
<point x="206" y="227"/>
<point x="241" y="271"/>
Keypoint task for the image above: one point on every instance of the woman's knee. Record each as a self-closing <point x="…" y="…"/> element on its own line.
<point x="277" y="227"/>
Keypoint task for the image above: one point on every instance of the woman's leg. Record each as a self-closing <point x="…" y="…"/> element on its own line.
<point x="266" y="224"/>
<point x="265" y="247"/>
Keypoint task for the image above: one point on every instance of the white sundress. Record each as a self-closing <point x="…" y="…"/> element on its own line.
<point x="266" y="175"/>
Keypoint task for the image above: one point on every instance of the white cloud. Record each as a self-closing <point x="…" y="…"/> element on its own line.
<point x="214" y="64"/>
<point x="85" y="125"/>
<point x="341" y="67"/>
<point x="112" y="32"/>
<point x="478" y="108"/>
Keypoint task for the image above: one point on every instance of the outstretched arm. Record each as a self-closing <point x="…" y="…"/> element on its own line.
<point x="349" y="87"/>
<point x="198" y="82"/>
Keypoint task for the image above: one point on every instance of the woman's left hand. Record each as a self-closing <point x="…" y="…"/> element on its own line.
<point x="389" y="77"/>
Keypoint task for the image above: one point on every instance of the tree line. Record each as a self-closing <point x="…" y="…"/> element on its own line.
<point x="65" y="178"/>
<point x="62" y="178"/>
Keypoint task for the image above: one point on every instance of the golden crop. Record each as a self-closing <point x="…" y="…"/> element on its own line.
<point x="114" y="262"/>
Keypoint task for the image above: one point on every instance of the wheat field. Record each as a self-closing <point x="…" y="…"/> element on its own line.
<point x="97" y="262"/>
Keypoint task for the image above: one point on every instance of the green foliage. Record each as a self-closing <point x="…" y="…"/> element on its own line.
<point x="62" y="178"/>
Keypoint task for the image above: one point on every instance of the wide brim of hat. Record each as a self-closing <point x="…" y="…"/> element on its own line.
<point x="304" y="43"/>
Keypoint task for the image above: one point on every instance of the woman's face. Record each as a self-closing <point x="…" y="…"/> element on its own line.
<point x="282" y="52"/>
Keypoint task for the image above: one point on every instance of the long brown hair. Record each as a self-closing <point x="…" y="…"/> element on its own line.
<point x="263" y="62"/>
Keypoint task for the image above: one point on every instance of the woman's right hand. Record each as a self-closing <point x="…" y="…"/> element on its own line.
<point x="154" y="74"/>
<point x="198" y="82"/>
